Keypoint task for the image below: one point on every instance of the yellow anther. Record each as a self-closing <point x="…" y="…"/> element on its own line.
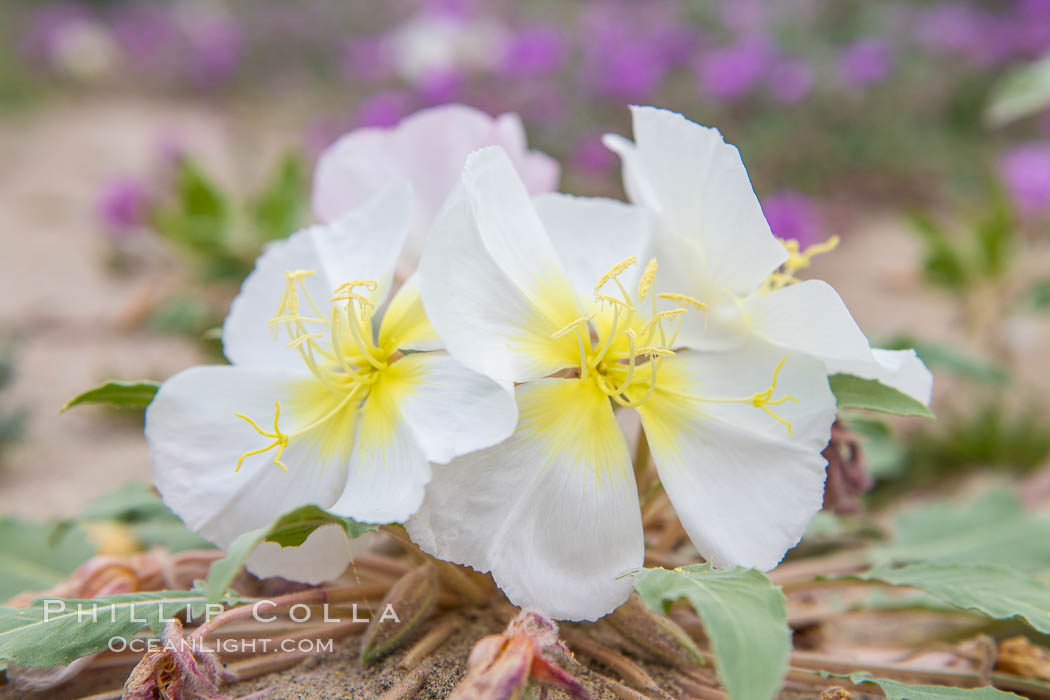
<point x="613" y="273"/>
<point x="293" y="275"/>
<point x="613" y="300"/>
<point x="682" y="299"/>
<point x="646" y="283"/>
<point x="345" y="292"/>
<point x="571" y="327"/>
<point x="280" y="440"/>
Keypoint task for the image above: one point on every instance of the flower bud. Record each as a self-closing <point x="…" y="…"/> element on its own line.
<point x="411" y="599"/>
<point x="655" y="634"/>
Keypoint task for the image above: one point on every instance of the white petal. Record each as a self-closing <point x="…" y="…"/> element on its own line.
<point x="552" y="512"/>
<point x="743" y="487"/>
<point x="491" y="282"/>
<point x="361" y="245"/>
<point x="900" y="369"/>
<point x="428" y="149"/>
<point x="196" y="439"/>
<point x="809" y="317"/>
<point x="388" y="468"/>
<point x="701" y="191"/>
<point x="247" y="340"/>
<point x="453" y="410"/>
<point x="591" y="234"/>
<point x="322" y="557"/>
<point x="538" y="170"/>
<point x="352" y="171"/>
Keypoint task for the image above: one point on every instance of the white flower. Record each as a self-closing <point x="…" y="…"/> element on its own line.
<point x="428" y="150"/>
<point x="545" y="297"/>
<point x="334" y="413"/>
<point x="718" y="247"/>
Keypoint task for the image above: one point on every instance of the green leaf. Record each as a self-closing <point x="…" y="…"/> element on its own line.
<point x="943" y="265"/>
<point x="289" y="530"/>
<point x="137" y="506"/>
<point x="36" y="556"/>
<point x="995" y="237"/>
<point x="1022" y="92"/>
<point x="942" y="357"/>
<point x="854" y="392"/>
<point x="994" y="529"/>
<point x="883" y="452"/>
<point x="743" y="615"/>
<point x="902" y="691"/>
<point x="996" y="591"/>
<point x="282" y="205"/>
<point x="49" y="632"/>
<point x="116" y="393"/>
<point x="132" y="502"/>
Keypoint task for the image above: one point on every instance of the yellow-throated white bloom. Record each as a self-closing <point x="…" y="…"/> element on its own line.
<point x="554" y="299"/>
<point x="322" y="405"/>
<point x="717" y="246"/>
<point x="427" y="150"/>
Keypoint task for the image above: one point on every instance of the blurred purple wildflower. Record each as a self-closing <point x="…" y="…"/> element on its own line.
<point x="46" y="25"/>
<point x="1025" y="170"/>
<point x="731" y="72"/>
<point x="384" y="108"/>
<point x="961" y="29"/>
<point x="745" y="17"/>
<point x="626" y="55"/>
<point x="591" y="156"/>
<point x="866" y="62"/>
<point x="790" y="81"/>
<point x="1030" y="31"/>
<point x="214" y="46"/>
<point x="533" y="51"/>
<point x="147" y="34"/>
<point x="792" y="215"/>
<point x="122" y="205"/>
<point x="367" y="59"/>
<point x="441" y="86"/>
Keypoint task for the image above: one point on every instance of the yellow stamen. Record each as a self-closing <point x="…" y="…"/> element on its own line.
<point x="683" y="299"/>
<point x="646" y="283"/>
<point x="616" y="270"/>
<point x="280" y="439"/>
<point x="798" y="260"/>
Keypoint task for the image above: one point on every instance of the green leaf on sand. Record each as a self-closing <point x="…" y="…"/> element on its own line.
<point x="868" y="394"/>
<point x="743" y="615"/>
<point x="902" y="691"/>
<point x="53" y="631"/>
<point x="36" y="556"/>
<point x="996" y="591"/>
<point x="290" y="530"/>
<point x="993" y="529"/>
<point x="115" y="393"/>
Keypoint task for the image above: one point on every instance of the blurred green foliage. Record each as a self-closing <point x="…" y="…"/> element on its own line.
<point x="223" y="234"/>
<point x="12" y="419"/>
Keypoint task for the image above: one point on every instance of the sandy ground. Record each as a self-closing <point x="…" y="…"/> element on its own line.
<point x="63" y="309"/>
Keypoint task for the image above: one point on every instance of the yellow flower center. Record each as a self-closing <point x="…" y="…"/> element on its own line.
<point x="625" y="346"/>
<point x="338" y="348"/>
<point x="622" y="347"/>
